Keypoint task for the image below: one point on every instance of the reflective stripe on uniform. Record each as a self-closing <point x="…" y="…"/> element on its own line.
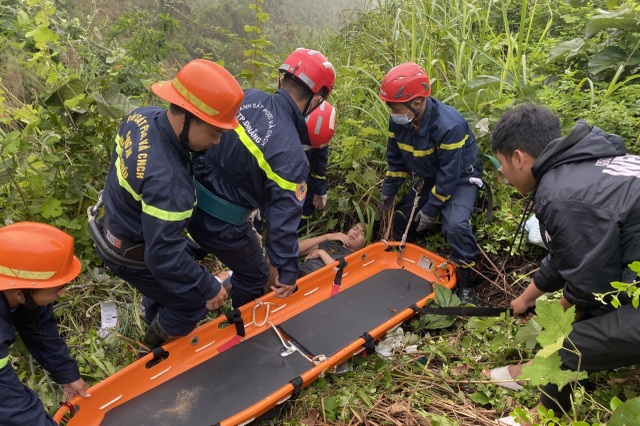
<point x="398" y="174"/>
<point x="452" y="146"/>
<point x="438" y="196"/>
<point x="259" y="156"/>
<point x="315" y="176"/>
<point x="416" y="152"/>
<point x="148" y="209"/>
<point x="4" y="361"/>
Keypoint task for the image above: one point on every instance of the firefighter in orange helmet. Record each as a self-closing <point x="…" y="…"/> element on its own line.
<point x="36" y="263"/>
<point x="150" y="196"/>
<point x="321" y="124"/>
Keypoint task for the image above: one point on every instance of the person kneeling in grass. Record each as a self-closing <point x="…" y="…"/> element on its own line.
<point x="36" y="263"/>
<point x="587" y="199"/>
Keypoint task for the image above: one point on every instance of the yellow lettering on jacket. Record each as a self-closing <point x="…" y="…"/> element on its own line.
<point x="141" y="165"/>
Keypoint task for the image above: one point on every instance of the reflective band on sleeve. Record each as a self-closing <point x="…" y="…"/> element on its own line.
<point x="315" y="176"/>
<point x="148" y="209"/>
<point x="452" y="146"/>
<point x="4" y="361"/>
<point x="255" y="151"/>
<point x="26" y="275"/>
<point x="398" y="174"/>
<point x="438" y="196"/>
<point x="416" y="152"/>
<point x="391" y="135"/>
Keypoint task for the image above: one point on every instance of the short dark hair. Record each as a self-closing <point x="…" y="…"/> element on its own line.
<point x="296" y="88"/>
<point x="527" y="127"/>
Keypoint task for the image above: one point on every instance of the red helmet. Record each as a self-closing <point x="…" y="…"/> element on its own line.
<point x="404" y="83"/>
<point x="322" y="125"/>
<point x="206" y="90"/>
<point x="312" y="68"/>
<point x="36" y="256"/>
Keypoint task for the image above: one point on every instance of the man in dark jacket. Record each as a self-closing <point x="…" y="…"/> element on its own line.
<point x="433" y="141"/>
<point x="150" y="196"/>
<point x="36" y="264"/>
<point x="261" y="165"/>
<point x="587" y="198"/>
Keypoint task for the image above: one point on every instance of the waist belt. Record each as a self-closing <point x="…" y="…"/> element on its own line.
<point x="126" y="248"/>
<point x="471" y="166"/>
<point x="220" y="208"/>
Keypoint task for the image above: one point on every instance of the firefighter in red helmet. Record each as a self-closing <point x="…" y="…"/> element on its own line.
<point x="321" y="124"/>
<point x="433" y="141"/>
<point x="268" y="173"/>
<point x="36" y="263"/>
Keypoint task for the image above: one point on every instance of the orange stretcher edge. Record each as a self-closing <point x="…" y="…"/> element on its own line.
<point x="202" y="344"/>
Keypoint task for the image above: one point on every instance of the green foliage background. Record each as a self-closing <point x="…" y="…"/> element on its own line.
<point x="70" y="70"/>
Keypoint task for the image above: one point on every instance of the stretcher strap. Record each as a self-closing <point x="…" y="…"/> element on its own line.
<point x="159" y="354"/>
<point x="337" y="281"/>
<point x="235" y="318"/>
<point x="369" y="343"/>
<point x="276" y="411"/>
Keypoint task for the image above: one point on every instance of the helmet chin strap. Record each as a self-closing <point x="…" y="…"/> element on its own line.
<point x="415" y="111"/>
<point x="29" y="303"/>
<point x="184" y="135"/>
<point x="308" y="111"/>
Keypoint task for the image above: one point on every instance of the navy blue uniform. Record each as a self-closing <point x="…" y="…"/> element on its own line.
<point x="444" y="153"/>
<point x="149" y="198"/>
<point x="259" y="165"/>
<point x="317" y="179"/>
<point x="38" y="329"/>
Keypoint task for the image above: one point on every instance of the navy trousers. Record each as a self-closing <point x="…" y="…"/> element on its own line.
<point x="456" y="219"/>
<point x="238" y="248"/>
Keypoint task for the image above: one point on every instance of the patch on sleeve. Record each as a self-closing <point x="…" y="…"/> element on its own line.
<point x="301" y="191"/>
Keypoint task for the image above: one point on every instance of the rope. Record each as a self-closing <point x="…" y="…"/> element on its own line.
<point x="287" y="346"/>
<point x="266" y="316"/>
<point x="252" y="218"/>
<point x="417" y="188"/>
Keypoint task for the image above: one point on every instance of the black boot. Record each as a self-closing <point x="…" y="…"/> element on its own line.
<point x="466" y="287"/>
<point x="154" y="337"/>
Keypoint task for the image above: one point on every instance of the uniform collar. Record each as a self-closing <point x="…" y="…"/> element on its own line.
<point x="299" y="121"/>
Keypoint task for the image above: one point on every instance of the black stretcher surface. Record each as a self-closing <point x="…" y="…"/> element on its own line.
<point x="340" y="320"/>
<point x="216" y="389"/>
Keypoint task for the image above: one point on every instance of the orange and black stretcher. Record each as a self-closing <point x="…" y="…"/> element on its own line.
<point x="235" y="368"/>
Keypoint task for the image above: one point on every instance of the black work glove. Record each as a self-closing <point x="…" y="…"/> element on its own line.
<point x="386" y="203"/>
<point x="426" y="222"/>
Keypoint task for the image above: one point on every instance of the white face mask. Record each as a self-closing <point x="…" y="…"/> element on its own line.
<point x="402" y="119"/>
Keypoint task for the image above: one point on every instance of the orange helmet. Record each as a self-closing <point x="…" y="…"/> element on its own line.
<point x="404" y="83"/>
<point x="36" y="256"/>
<point x="321" y="124"/>
<point x="312" y="68"/>
<point x="206" y="90"/>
